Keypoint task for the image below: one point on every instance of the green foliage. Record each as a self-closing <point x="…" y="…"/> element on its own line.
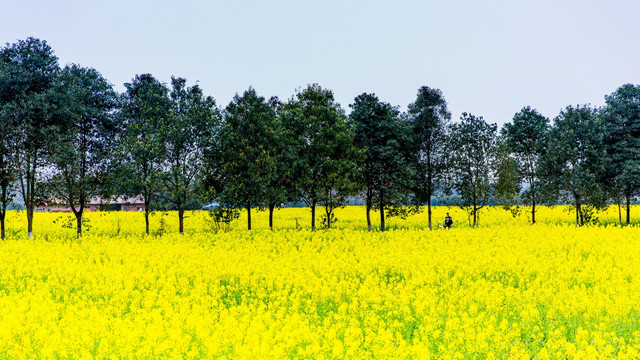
<point x="621" y="119"/>
<point x="328" y="220"/>
<point x="249" y="156"/>
<point x="472" y="155"/>
<point x="221" y="218"/>
<point x="145" y="109"/>
<point x="320" y="147"/>
<point x="508" y="179"/>
<point x="190" y="130"/>
<point x="526" y="140"/>
<point x="429" y="120"/>
<point x="385" y="171"/>
<point x="576" y="163"/>
<point x="68" y="221"/>
<point x="86" y="129"/>
<point x="29" y="71"/>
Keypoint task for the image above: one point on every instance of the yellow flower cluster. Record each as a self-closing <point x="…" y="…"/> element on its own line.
<point x="507" y="290"/>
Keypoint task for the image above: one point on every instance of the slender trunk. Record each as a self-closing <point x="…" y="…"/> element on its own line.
<point x="578" y="215"/>
<point x="248" y="217"/>
<point x="628" y="208"/>
<point x="181" y="220"/>
<point x="328" y="219"/>
<point x="619" y="213"/>
<point x="271" y="207"/>
<point x="313" y="216"/>
<point x="30" y="222"/>
<point x="79" y="223"/>
<point x="2" y="216"/>
<point x="3" y="213"/>
<point x="146" y="218"/>
<point x="533" y="210"/>
<point x="475" y="216"/>
<point x="381" y="212"/>
<point x="429" y="209"/>
<point x="369" y="215"/>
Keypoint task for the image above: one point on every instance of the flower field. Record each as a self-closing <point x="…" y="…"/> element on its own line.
<point x="507" y="290"/>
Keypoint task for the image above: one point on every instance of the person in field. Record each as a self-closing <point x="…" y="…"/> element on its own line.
<point x="448" y="221"/>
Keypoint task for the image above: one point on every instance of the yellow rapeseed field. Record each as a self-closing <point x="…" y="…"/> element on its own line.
<point x="506" y="290"/>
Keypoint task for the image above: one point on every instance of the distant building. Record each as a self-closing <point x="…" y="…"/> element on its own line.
<point x="97" y="203"/>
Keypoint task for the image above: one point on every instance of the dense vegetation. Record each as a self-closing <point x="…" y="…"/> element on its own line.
<point x="65" y="134"/>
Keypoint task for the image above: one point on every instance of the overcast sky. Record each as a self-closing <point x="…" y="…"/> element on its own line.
<point x="490" y="58"/>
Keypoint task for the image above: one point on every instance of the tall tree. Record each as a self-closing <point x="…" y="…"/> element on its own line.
<point x="472" y="153"/>
<point x="622" y="141"/>
<point x="385" y="174"/>
<point x="526" y="137"/>
<point x="146" y="108"/>
<point x="84" y="106"/>
<point x="576" y="161"/>
<point x="192" y="125"/>
<point x="322" y="147"/>
<point x="8" y="169"/>
<point x="279" y="177"/>
<point x="508" y="177"/>
<point x="246" y="136"/>
<point x="29" y="72"/>
<point x="429" y="119"/>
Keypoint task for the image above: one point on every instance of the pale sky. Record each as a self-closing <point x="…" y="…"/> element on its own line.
<point x="490" y="58"/>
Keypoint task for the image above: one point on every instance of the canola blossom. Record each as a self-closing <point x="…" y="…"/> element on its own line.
<point x="506" y="290"/>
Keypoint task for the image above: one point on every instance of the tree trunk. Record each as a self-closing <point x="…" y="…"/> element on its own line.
<point x="313" y="217"/>
<point x="628" y="208"/>
<point x="181" y="220"/>
<point x="381" y="212"/>
<point x="429" y="210"/>
<point x="3" y="212"/>
<point x="2" y="216"/>
<point x="533" y="210"/>
<point x="146" y="218"/>
<point x="475" y="216"/>
<point x="30" y="222"/>
<point x="328" y="219"/>
<point x="578" y="214"/>
<point x="248" y="217"/>
<point x="369" y="215"/>
<point x="79" y="224"/>
<point x="271" y="207"/>
<point x="619" y="213"/>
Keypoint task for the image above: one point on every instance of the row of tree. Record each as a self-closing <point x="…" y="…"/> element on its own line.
<point x="67" y="136"/>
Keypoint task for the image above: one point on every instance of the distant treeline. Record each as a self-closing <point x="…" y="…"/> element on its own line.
<point x="66" y="134"/>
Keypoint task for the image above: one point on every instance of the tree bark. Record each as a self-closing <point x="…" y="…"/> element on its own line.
<point x="313" y="217"/>
<point x="475" y="216"/>
<point x="2" y="216"/>
<point x="30" y="222"/>
<point x="181" y="220"/>
<point x="533" y="210"/>
<point x="619" y="214"/>
<point x="369" y="215"/>
<point x="429" y="209"/>
<point x="628" y="208"/>
<point x="271" y="207"/>
<point x="146" y="218"/>
<point x="248" y="217"/>
<point x="382" y="227"/>
<point x="578" y="214"/>
<point x="79" y="224"/>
